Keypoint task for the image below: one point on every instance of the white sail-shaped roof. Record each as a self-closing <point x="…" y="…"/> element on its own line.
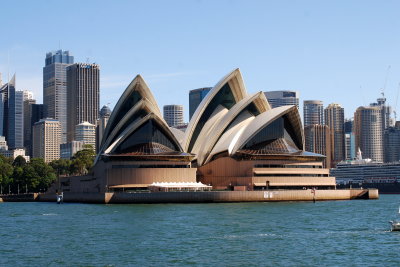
<point x="227" y="93"/>
<point x="264" y="119"/>
<point x="136" y="125"/>
<point x="257" y="103"/>
<point x="136" y="91"/>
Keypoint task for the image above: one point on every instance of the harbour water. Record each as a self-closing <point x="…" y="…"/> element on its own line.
<point x="330" y="233"/>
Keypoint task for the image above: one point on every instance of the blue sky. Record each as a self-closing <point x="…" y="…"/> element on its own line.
<point x="337" y="51"/>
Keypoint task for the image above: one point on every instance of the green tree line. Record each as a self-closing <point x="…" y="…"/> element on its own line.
<point x="37" y="176"/>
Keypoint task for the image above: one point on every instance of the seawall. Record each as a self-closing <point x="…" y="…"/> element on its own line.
<point x="215" y="196"/>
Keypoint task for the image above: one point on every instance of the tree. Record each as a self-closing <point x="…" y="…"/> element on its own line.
<point x="19" y="161"/>
<point x="6" y="171"/>
<point x="61" y="166"/>
<point x="83" y="160"/>
<point x="40" y="174"/>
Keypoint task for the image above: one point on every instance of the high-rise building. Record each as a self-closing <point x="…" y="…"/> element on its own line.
<point x="27" y="124"/>
<point x="4" y="106"/>
<point x="282" y="98"/>
<point x="334" y="119"/>
<point x="55" y="87"/>
<point x="368" y="131"/>
<point x="386" y="111"/>
<point x="313" y="112"/>
<point x="348" y="126"/>
<point x="68" y="150"/>
<point x="15" y="137"/>
<point x="173" y="115"/>
<point x="86" y="133"/>
<point x="317" y="140"/>
<point x="83" y="96"/>
<point x="391" y="143"/>
<point x="105" y="114"/>
<point x="46" y="139"/>
<point x="195" y="97"/>
<point x="39" y="112"/>
<point x="350" y="146"/>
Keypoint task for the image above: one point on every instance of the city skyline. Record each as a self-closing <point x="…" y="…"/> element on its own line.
<point x="334" y="52"/>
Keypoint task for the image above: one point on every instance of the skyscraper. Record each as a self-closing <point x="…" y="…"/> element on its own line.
<point x="173" y="115"/>
<point x="15" y="117"/>
<point x="391" y="143"/>
<point x="334" y="119"/>
<point x="317" y="140"/>
<point x="37" y="112"/>
<point x="4" y="106"/>
<point x="55" y="87"/>
<point x="83" y="95"/>
<point x="195" y="97"/>
<point x="350" y="147"/>
<point x="282" y="98"/>
<point x="368" y="131"/>
<point x="313" y="112"/>
<point x="28" y="125"/>
<point x="105" y="114"/>
<point x="46" y="139"/>
<point x="86" y="133"/>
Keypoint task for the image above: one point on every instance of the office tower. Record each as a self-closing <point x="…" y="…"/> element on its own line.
<point x="367" y="127"/>
<point x="313" y="112"/>
<point x="68" y="150"/>
<point x="334" y="119"/>
<point x="105" y="114"/>
<point x="391" y="143"/>
<point x="28" y="124"/>
<point x="350" y="147"/>
<point x="173" y="115"/>
<point x="83" y="96"/>
<point x="39" y="112"/>
<point x="317" y="140"/>
<point x="348" y="126"/>
<point x="55" y="87"/>
<point x="4" y="106"/>
<point x="46" y="139"/>
<point x="86" y="133"/>
<point x="15" y="138"/>
<point x="386" y="111"/>
<point x="195" y="97"/>
<point x="282" y="98"/>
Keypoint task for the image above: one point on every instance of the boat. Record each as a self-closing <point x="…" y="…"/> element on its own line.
<point x="60" y="198"/>
<point x="395" y="225"/>
<point x="366" y="173"/>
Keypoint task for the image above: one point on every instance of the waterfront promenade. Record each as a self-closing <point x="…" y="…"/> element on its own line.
<point x="215" y="196"/>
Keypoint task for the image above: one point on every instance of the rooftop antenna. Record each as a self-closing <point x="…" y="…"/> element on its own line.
<point x="87" y="60"/>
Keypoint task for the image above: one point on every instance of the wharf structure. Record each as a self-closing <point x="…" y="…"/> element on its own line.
<point x="234" y="142"/>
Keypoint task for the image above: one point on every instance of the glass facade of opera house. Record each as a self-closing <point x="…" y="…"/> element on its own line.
<point x="234" y="141"/>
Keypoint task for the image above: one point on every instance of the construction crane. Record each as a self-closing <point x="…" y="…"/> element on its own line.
<point x="386" y="78"/>
<point x="395" y="105"/>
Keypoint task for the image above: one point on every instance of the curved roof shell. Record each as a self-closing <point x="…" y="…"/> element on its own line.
<point x="226" y="93"/>
<point x="253" y="104"/>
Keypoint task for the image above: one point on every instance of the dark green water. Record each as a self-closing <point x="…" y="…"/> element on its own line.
<point x="334" y="233"/>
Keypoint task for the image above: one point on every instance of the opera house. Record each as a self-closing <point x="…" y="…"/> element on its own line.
<point x="234" y="141"/>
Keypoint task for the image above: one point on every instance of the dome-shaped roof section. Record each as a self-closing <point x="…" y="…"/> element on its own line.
<point x="105" y="111"/>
